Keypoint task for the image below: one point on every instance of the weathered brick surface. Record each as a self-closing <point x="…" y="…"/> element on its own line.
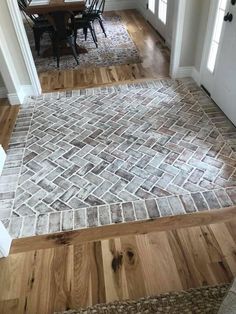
<point x="116" y="154"/>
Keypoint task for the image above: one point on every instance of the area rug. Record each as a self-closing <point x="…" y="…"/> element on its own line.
<point x="206" y="300"/>
<point x="117" y="154"/>
<point x="117" y="49"/>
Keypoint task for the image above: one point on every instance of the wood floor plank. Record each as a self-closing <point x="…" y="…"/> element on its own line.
<point x="113" y="231"/>
<point x="8" y="116"/>
<point x="114" y="272"/>
<point x="131" y="266"/>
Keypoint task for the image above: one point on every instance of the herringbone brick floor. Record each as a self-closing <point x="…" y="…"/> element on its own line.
<point x="100" y="156"/>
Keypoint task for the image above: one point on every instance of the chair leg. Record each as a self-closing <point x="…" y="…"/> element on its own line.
<point x="85" y="30"/>
<point x="75" y="40"/>
<point x="102" y="26"/>
<point x="57" y="52"/>
<point x="37" y="37"/>
<point x="92" y="31"/>
<point x="70" y="41"/>
<point x="58" y="57"/>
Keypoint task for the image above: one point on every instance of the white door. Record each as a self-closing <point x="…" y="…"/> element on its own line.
<point x="157" y="15"/>
<point x="219" y="74"/>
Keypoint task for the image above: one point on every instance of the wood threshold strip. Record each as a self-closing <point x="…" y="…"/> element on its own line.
<point x="123" y="229"/>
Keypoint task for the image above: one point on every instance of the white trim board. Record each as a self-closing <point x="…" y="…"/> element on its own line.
<point x="188" y="72"/>
<point x="178" y="25"/>
<point x="24" y="45"/>
<point x="2" y="158"/>
<point x="23" y="92"/>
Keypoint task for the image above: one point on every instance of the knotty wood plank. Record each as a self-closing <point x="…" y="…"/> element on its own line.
<point x="132" y="228"/>
<point x="132" y="266"/>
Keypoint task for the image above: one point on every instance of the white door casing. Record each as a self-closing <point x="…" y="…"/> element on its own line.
<point x="224" y="88"/>
<point x="2" y="158"/>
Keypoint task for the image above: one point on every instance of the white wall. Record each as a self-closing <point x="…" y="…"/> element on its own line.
<point x="12" y="66"/>
<point x="3" y="91"/>
<point x="1" y="81"/>
<point x="205" y="10"/>
<point x="13" y="44"/>
<point x="196" y="17"/>
<point x="120" y="4"/>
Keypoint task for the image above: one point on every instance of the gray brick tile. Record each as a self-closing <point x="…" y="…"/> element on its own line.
<point x="188" y="203"/>
<point x="116" y="213"/>
<point x="104" y="215"/>
<point x="199" y="201"/>
<point x="92" y="216"/>
<point x="152" y="208"/>
<point x="42" y="224"/>
<point x="140" y="210"/>
<point x="164" y="207"/>
<point x="80" y="218"/>
<point x="55" y="222"/>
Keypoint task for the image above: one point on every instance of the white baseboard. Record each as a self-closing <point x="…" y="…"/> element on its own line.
<point x="19" y="97"/>
<point x="196" y="76"/>
<point x="116" y="5"/>
<point x="3" y="92"/>
<point x="5" y="241"/>
<point x="188" y="72"/>
<point x="2" y="158"/>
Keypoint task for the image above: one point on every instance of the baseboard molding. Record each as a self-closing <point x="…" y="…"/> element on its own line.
<point x="3" y="92"/>
<point x="116" y="5"/>
<point x="188" y="72"/>
<point x="196" y="76"/>
<point x="19" y="97"/>
<point x="2" y="158"/>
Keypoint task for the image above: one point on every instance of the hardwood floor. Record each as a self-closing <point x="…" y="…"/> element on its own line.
<point x="133" y="266"/>
<point x="8" y="115"/>
<point x="155" y="64"/>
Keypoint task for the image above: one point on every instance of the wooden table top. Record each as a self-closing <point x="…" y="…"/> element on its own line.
<point x="55" y="5"/>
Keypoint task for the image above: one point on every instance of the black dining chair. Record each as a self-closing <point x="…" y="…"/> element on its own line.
<point x="39" y="24"/>
<point x="84" y="23"/>
<point x="95" y="12"/>
<point x="63" y="33"/>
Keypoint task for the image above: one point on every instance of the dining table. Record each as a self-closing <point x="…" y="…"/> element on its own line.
<point x="45" y="7"/>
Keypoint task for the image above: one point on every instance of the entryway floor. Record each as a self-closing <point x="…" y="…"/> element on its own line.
<point x="118" y="154"/>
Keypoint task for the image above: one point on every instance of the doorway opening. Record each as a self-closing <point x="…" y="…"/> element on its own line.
<point x="155" y="63"/>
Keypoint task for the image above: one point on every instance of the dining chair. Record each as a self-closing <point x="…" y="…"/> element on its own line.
<point x="95" y="12"/>
<point x="39" y="25"/>
<point x="63" y="33"/>
<point x="84" y="23"/>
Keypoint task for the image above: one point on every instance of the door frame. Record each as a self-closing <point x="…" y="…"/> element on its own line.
<point x="24" y="45"/>
<point x="178" y="27"/>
